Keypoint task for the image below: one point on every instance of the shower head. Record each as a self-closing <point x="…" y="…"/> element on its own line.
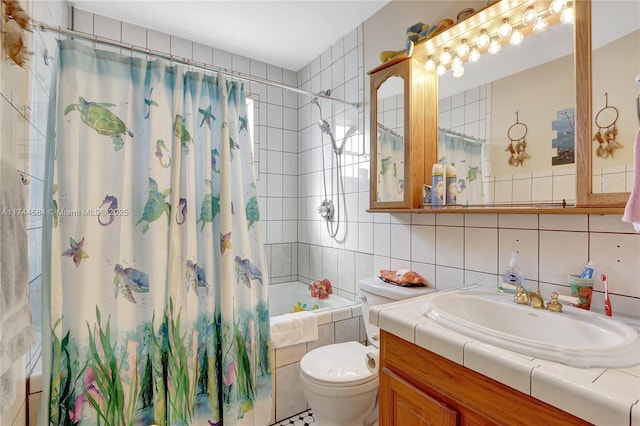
<point x="326" y="128"/>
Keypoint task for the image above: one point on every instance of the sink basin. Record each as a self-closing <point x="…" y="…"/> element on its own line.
<point x="574" y="337"/>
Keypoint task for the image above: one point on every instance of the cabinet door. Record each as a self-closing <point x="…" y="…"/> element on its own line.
<point x="401" y="404"/>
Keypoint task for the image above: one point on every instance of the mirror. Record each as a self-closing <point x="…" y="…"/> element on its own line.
<point x="528" y="113"/>
<point x="597" y="173"/>
<point x="401" y="94"/>
<point x="508" y="123"/>
<point x="615" y="62"/>
<point x="390" y="137"/>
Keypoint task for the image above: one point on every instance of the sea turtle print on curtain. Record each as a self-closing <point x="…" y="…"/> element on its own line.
<point x="153" y="319"/>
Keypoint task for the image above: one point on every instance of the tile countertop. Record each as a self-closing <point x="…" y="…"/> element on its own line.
<point x="603" y="396"/>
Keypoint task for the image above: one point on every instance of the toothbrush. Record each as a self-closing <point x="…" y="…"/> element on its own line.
<point x="607" y="301"/>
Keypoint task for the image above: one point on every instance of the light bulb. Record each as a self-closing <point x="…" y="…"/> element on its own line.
<point x="441" y="69"/>
<point x="529" y="16"/>
<point x="483" y="40"/>
<point x="516" y="38"/>
<point x="540" y="25"/>
<point x="445" y="58"/>
<point x="463" y="49"/>
<point x="430" y="65"/>
<point x="505" y="29"/>
<point x="568" y="16"/>
<point x="474" y="55"/>
<point x="557" y="6"/>
<point x="458" y="72"/>
<point x="456" y="63"/>
<point x="494" y="47"/>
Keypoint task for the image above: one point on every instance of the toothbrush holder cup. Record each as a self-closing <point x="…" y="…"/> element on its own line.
<point x="582" y="288"/>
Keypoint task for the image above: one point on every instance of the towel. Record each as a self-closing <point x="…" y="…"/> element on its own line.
<point x="632" y="210"/>
<point x="16" y="329"/>
<point x="294" y="328"/>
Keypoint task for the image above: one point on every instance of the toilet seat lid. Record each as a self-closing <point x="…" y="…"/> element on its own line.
<point x="340" y="364"/>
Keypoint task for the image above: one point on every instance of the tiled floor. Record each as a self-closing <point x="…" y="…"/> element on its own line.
<point x="303" y="419"/>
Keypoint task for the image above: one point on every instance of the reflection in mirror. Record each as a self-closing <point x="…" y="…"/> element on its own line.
<point x="390" y="139"/>
<point x="615" y="62"/>
<point x="529" y="86"/>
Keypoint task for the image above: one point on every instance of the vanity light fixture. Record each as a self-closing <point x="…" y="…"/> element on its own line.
<point x="430" y="65"/>
<point x="557" y="6"/>
<point x="511" y="28"/>
<point x="540" y="25"/>
<point x="463" y="49"/>
<point x="445" y="58"/>
<point x="483" y="40"/>
<point x="529" y="16"/>
<point x="494" y="47"/>
<point x="516" y="38"/>
<point x="474" y="55"/>
<point x="568" y="16"/>
<point x="505" y="29"/>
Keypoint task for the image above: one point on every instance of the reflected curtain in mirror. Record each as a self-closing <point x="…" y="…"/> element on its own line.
<point x="466" y="154"/>
<point x="390" y="165"/>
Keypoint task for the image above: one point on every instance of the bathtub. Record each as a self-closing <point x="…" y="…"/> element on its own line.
<point x="283" y="297"/>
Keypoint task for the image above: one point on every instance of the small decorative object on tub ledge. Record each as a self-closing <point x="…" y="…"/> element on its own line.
<point x="402" y="277"/>
<point x="300" y="307"/>
<point x="320" y="289"/>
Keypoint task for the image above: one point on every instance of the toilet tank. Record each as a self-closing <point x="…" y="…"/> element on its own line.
<point x="374" y="291"/>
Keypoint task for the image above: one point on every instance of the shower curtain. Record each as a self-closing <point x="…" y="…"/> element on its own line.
<point x="156" y="281"/>
<point x="466" y="156"/>
<point x="390" y="165"/>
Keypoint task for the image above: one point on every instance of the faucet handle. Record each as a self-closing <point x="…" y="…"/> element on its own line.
<point x="521" y="298"/>
<point x="554" y="305"/>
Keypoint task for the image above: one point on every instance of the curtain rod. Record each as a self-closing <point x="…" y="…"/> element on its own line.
<point x="186" y="61"/>
<point x="389" y="130"/>
<point x="462" y="135"/>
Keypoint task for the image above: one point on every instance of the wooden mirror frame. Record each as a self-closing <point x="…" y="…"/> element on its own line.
<point x="420" y="119"/>
<point x="421" y="111"/>
<point x="585" y="197"/>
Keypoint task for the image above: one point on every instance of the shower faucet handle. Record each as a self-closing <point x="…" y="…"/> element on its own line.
<point x="326" y="209"/>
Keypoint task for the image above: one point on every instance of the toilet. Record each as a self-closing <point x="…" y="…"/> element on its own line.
<point x="335" y="378"/>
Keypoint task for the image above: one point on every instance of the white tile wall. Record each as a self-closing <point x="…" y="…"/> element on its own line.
<point x="453" y="249"/>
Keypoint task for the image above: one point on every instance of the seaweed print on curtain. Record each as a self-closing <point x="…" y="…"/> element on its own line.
<point x="159" y="307"/>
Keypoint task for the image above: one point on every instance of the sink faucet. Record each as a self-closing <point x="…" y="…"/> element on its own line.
<point x="524" y="297"/>
<point x="535" y="300"/>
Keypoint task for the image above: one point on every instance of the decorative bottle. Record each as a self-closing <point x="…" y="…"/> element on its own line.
<point x="452" y="188"/>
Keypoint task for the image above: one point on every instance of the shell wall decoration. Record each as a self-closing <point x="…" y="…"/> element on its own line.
<point x="517" y="144"/>
<point x="15" y="21"/>
<point x="607" y="132"/>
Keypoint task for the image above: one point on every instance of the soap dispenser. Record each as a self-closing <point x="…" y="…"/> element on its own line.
<point x="512" y="276"/>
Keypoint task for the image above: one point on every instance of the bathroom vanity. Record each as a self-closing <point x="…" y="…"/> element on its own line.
<point x="419" y="387"/>
<point x="430" y="374"/>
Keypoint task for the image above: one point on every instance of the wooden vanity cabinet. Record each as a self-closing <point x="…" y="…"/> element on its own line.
<point x="419" y="387"/>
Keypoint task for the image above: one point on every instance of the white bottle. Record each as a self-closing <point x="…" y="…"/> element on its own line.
<point x="512" y="276"/>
